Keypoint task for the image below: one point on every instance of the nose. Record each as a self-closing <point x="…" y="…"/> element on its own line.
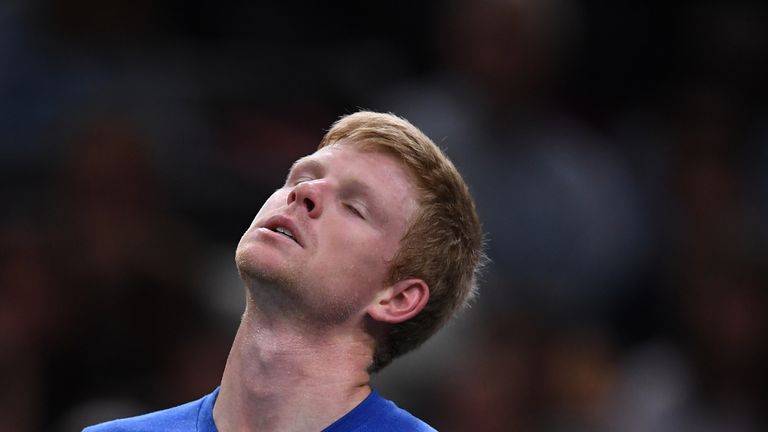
<point x="308" y="195"/>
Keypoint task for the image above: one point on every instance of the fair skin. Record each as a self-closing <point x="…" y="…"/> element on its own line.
<point x="315" y="262"/>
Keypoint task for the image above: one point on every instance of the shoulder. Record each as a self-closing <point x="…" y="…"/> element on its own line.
<point x="376" y="414"/>
<point x="183" y="418"/>
<point x="395" y="418"/>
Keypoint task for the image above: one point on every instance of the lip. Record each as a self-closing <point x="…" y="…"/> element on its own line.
<point x="282" y="221"/>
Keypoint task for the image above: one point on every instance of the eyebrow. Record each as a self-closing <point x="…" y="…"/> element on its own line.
<point x="307" y="162"/>
<point x="314" y="166"/>
<point x="359" y="188"/>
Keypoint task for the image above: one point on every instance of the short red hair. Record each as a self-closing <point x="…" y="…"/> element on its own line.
<point x="443" y="244"/>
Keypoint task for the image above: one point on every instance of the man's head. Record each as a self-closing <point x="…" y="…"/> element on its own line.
<point x="443" y="243"/>
<point x="376" y="227"/>
<point x="319" y="250"/>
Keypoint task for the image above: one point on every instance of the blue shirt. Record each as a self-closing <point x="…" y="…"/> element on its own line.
<point x="374" y="414"/>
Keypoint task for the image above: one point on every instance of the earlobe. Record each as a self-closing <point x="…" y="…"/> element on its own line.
<point x="400" y="302"/>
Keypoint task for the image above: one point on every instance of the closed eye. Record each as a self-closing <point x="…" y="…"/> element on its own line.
<point x="355" y="211"/>
<point x="301" y="180"/>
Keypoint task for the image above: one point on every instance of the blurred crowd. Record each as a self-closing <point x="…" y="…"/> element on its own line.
<point x="618" y="153"/>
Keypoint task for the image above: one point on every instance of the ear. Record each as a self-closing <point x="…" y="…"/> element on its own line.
<point x="399" y="302"/>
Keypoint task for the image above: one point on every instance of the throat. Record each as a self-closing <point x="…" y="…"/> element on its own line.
<point x="291" y="381"/>
<point x="283" y="353"/>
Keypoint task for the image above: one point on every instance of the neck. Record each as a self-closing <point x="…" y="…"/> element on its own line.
<point x="284" y="375"/>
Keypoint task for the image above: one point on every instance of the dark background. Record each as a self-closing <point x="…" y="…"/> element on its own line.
<point x="618" y="152"/>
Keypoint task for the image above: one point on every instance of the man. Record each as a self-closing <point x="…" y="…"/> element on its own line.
<point x="372" y="244"/>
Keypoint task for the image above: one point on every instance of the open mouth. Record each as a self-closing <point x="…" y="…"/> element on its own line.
<point x="285" y="231"/>
<point x="284" y="226"/>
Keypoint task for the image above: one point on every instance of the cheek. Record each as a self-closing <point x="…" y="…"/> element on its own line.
<point x="364" y="260"/>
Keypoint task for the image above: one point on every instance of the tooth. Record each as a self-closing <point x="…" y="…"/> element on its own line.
<point x="285" y="231"/>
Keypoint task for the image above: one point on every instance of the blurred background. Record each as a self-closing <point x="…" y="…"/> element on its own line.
<point x="618" y="152"/>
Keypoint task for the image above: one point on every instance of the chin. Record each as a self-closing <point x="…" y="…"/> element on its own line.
<point x="257" y="267"/>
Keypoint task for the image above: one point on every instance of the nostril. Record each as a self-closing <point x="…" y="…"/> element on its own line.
<point x="310" y="205"/>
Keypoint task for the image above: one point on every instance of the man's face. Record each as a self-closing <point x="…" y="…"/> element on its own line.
<point x="322" y="244"/>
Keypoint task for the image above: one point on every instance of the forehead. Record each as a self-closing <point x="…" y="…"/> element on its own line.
<point x="347" y="159"/>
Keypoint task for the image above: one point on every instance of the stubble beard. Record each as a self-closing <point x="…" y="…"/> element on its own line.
<point x="288" y="291"/>
<point x="268" y="288"/>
